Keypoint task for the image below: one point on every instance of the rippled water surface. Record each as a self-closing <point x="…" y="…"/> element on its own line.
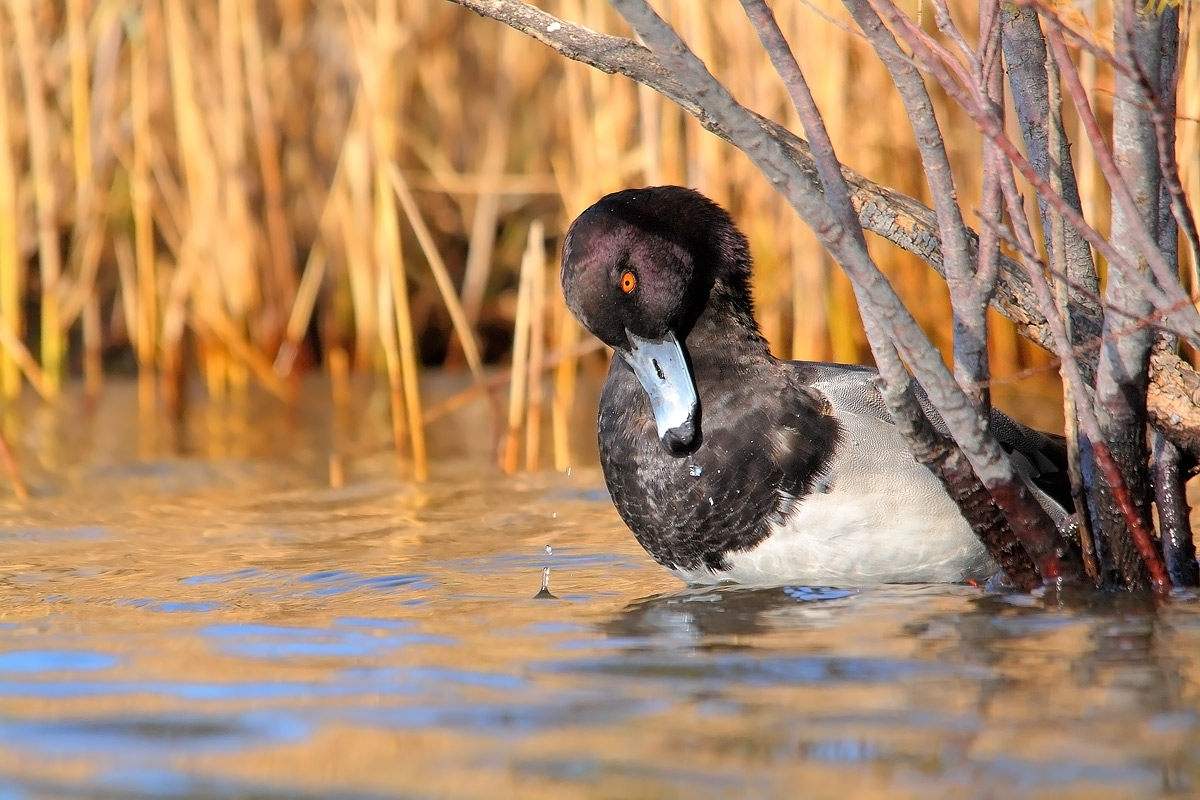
<point x="198" y="614"/>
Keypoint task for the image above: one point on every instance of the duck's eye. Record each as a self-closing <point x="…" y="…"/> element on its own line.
<point x="628" y="282"/>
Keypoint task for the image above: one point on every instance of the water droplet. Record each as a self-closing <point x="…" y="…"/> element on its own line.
<point x="544" y="593"/>
<point x="710" y="502"/>
<point x="694" y="470"/>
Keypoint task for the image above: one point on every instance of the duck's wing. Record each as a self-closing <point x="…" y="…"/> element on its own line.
<point x="1041" y="457"/>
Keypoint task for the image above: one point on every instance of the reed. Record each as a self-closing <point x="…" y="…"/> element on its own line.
<point x="11" y="266"/>
<point x="235" y="181"/>
<point x="30" y="55"/>
<point x="8" y="463"/>
<point x="520" y="372"/>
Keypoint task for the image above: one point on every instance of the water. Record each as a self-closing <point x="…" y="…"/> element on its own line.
<point x="224" y="624"/>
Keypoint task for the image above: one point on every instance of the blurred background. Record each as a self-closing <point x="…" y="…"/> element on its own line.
<point x="235" y="192"/>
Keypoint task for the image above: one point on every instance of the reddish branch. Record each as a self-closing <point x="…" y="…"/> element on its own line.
<point x="1142" y="535"/>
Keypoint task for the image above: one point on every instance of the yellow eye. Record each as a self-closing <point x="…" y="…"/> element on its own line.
<point x="628" y="282"/>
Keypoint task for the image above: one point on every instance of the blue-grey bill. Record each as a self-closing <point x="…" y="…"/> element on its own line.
<point x="662" y="369"/>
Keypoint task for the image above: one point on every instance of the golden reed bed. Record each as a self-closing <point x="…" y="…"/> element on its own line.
<point x="212" y="188"/>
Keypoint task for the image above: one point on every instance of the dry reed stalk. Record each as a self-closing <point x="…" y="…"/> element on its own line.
<point x="519" y="383"/>
<point x="201" y="168"/>
<point x="315" y="269"/>
<point x="15" y="349"/>
<point x="460" y="400"/>
<point x="93" y="345"/>
<point x="486" y="212"/>
<point x="339" y="379"/>
<point x="706" y="157"/>
<point x="565" y="381"/>
<point x="92" y="99"/>
<point x="809" y="285"/>
<point x="388" y="250"/>
<point x="171" y="213"/>
<point x="537" y="344"/>
<point x="10" y="257"/>
<point x="452" y="182"/>
<point x="232" y="245"/>
<point x="214" y="364"/>
<point x="280" y="247"/>
<point x="355" y="214"/>
<point x="29" y="54"/>
<point x="84" y="254"/>
<point x="138" y="285"/>
<point x="408" y="347"/>
<point x="567" y="338"/>
<point x="809" y="295"/>
<point x="302" y="308"/>
<point x="213" y="242"/>
<point x="1092" y="188"/>
<point x="337" y="471"/>
<point x="388" y="337"/>
<point x="441" y="275"/>
<point x="174" y="324"/>
<point x="1187" y="144"/>
<point x="359" y="165"/>
<point x="578" y="188"/>
<point x="9" y="462"/>
<point x="235" y="356"/>
<point x="254" y="361"/>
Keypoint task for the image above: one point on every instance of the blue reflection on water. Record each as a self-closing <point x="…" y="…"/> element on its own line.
<point x="317" y="584"/>
<point x="37" y="661"/>
<point x="279" y="642"/>
<point x="254" y="690"/>
<point x="174" y="607"/>
<point x="154" y="782"/>
<point x="717" y="671"/>
<point x="522" y="715"/>
<point x="143" y="733"/>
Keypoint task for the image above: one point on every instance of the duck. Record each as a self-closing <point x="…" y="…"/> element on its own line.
<point x="730" y="465"/>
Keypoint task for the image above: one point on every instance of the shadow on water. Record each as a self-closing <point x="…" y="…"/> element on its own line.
<point x="231" y="626"/>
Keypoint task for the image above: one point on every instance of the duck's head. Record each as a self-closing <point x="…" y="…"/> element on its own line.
<point x="639" y="269"/>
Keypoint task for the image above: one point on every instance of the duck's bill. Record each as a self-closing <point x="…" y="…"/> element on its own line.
<point x="662" y="369"/>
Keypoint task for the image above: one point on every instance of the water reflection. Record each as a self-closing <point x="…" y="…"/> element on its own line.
<point x="1056" y="697"/>
<point x="186" y="628"/>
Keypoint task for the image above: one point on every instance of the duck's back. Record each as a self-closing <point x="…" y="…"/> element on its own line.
<point x="1040" y="457"/>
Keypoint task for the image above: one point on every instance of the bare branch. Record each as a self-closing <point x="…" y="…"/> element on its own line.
<point x="969" y="295"/>
<point x="1121" y="511"/>
<point x="1028" y="519"/>
<point x="1166" y="295"/>
<point x="939" y="453"/>
<point x="896" y="217"/>
<point x="1033" y="79"/>
<point x="1168" y="299"/>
